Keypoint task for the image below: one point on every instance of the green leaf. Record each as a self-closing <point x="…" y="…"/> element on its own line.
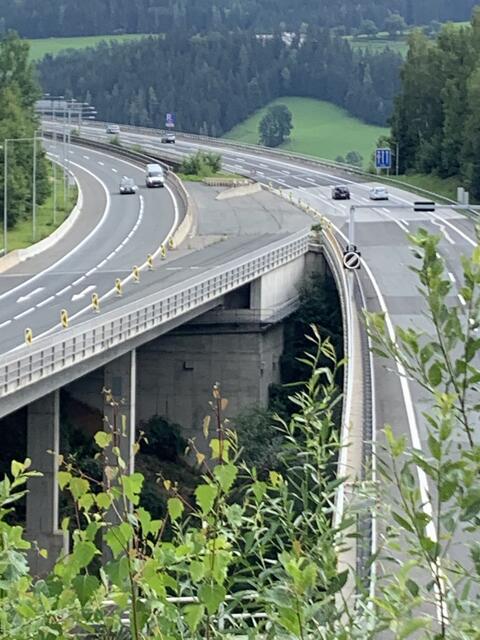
<point x="212" y="596"/>
<point x="104" y="500"/>
<point x="435" y="375"/>
<point x="83" y="554"/>
<point x="117" y="571"/>
<point x="193" y="615"/>
<point x="78" y="487"/>
<point x="205" y="495"/>
<point x="434" y="446"/>
<point x="226" y="475"/>
<point x="197" y="570"/>
<point x="63" y="478"/>
<point x="103" y="439"/>
<point x="175" y="508"/>
<point x="132" y="485"/>
<point x="85" y="587"/>
<point x="259" y="490"/>
<point x="16" y="468"/>
<point x="402" y="522"/>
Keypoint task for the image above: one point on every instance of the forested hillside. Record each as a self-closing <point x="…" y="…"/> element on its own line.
<point x="436" y="119"/>
<point x="213" y="82"/>
<point x="44" y="18"/>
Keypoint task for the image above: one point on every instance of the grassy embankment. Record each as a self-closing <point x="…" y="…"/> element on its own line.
<point x="326" y="131"/>
<point x="41" y="47"/>
<point x="21" y="235"/>
<point x="320" y="129"/>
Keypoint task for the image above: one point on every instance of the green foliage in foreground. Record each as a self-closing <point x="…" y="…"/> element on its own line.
<point x="270" y="546"/>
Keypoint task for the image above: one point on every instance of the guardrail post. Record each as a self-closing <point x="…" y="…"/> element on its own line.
<point x="118" y="287"/>
<point x="64" y="320"/>
<point x="95" y="302"/>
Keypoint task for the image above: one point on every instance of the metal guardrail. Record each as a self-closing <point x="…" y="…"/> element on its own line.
<point x="69" y="347"/>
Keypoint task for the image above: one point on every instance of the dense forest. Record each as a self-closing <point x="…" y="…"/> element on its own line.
<point x="213" y="82"/>
<point x="436" y="118"/>
<point x="45" y="18"/>
<point x="18" y="93"/>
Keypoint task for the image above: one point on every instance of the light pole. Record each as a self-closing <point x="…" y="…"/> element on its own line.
<point x="5" y="195"/>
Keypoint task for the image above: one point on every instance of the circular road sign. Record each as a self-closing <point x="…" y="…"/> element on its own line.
<point x="351" y="260"/>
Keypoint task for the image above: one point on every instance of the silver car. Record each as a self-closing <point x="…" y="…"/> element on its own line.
<point x="127" y="185"/>
<point x="378" y="193"/>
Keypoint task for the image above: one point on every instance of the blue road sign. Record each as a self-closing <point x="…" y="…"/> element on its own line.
<point x="383" y="158"/>
<point x="170" y="120"/>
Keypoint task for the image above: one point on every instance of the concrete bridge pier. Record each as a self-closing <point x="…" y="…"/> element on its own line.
<point x="120" y="378"/>
<point x="43" y="442"/>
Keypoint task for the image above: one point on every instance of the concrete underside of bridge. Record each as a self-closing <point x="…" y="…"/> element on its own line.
<point x="237" y="344"/>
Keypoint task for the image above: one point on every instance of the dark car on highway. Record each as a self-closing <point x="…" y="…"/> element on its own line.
<point x="340" y="192"/>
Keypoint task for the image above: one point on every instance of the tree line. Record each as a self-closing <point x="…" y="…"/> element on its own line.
<point x="435" y="121"/>
<point x="215" y="81"/>
<point x="90" y="17"/>
<point x="18" y="92"/>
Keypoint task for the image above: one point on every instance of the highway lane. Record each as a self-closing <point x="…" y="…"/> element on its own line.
<point x="122" y="231"/>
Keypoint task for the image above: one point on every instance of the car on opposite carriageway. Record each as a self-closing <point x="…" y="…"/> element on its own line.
<point x="168" y="138"/>
<point x="113" y="129"/>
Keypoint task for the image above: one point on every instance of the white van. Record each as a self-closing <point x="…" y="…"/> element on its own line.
<point x="155" y="176"/>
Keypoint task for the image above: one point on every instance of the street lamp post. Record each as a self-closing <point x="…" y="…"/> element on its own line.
<point x="34" y="188"/>
<point x="5" y="195"/>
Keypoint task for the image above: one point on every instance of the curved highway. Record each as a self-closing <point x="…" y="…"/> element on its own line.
<point x="113" y="233"/>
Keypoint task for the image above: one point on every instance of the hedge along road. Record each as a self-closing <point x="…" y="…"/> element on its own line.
<point x="113" y="233"/>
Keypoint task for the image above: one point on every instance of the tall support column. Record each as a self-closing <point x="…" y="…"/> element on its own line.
<point x="120" y="382"/>
<point x="43" y="448"/>
<point x="120" y="379"/>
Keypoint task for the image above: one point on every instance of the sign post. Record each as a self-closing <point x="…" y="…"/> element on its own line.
<point x="170" y="120"/>
<point x="383" y="159"/>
